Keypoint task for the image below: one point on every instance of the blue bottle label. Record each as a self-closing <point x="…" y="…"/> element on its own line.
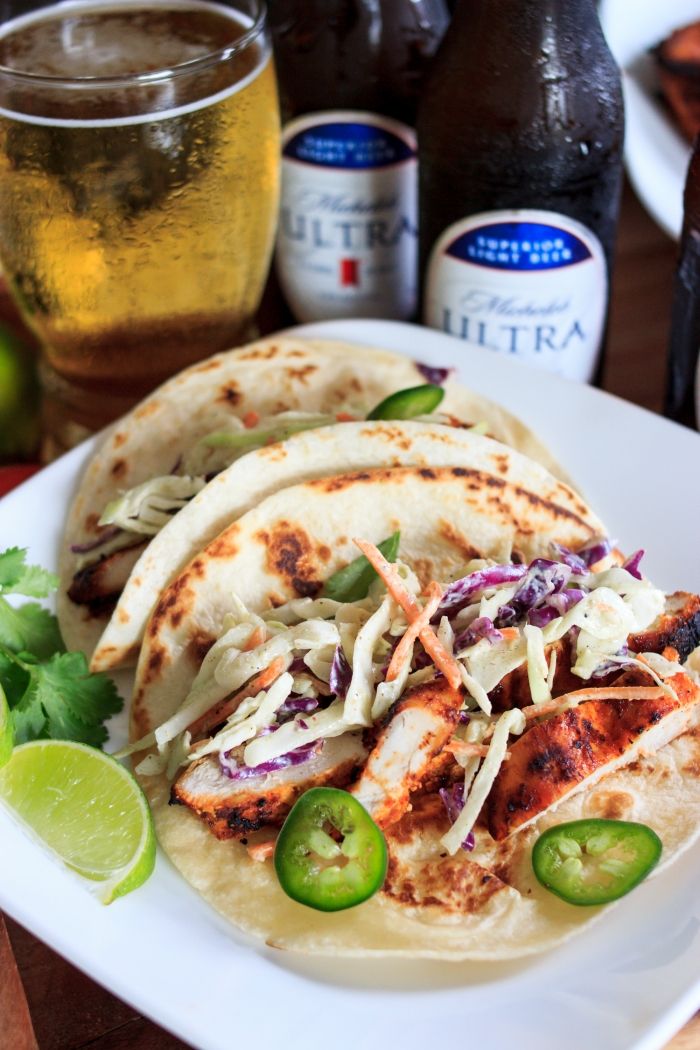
<point x="528" y="283"/>
<point x="347" y="239"/>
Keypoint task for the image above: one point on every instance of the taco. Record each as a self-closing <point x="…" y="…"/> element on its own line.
<point x="168" y="451"/>
<point x="507" y="672"/>
<point x="304" y="456"/>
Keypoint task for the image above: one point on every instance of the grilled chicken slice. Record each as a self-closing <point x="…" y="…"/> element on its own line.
<point x="234" y="808"/>
<point x="514" y="689"/>
<point x="678" y="627"/>
<point x="99" y="584"/>
<point x="418" y="727"/>
<point x="571" y="751"/>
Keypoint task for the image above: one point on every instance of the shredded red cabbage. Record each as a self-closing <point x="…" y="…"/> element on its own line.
<point x="623" y="658"/>
<point x="340" y="674"/>
<point x="582" y="561"/>
<point x="460" y="593"/>
<point x="543" y="578"/>
<point x="632" y="564"/>
<point x="480" y="628"/>
<point x="92" y="545"/>
<point x="565" y="600"/>
<point x="298" y="666"/>
<point x="231" y="769"/>
<point x="433" y="374"/>
<point x="596" y="551"/>
<point x="555" y="606"/>
<point x="294" y="704"/>
<point x="574" y="561"/>
<point x="542" y="616"/>
<point x="453" y="801"/>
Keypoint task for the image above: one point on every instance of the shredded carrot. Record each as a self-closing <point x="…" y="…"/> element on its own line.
<point x="509" y="633"/>
<point x="437" y="652"/>
<point x="669" y="654"/>
<point x="623" y="692"/>
<point x="344" y="417"/>
<point x="260" y="851"/>
<point x="434" y="594"/>
<point x="256" y="638"/>
<point x="467" y="750"/>
<point x="251" y="419"/>
<point x="221" y="711"/>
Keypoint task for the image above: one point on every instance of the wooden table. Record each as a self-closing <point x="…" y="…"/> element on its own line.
<point x="64" y="1009"/>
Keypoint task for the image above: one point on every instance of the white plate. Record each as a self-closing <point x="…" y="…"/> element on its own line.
<point x="656" y="153"/>
<point x="631" y="981"/>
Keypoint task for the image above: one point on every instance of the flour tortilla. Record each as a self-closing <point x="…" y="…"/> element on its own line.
<point x="270" y="376"/>
<point x="312" y="454"/>
<point x="482" y="905"/>
<point x="448" y="912"/>
<point x="294" y="540"/>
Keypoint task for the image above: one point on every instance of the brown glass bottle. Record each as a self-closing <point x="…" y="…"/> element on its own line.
<point x="520" y="134"/>
<point x="350" y="75"/>
<point x="684" y="342"/>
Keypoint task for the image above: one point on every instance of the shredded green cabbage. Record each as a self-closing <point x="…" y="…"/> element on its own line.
<point x="146" y="508"/>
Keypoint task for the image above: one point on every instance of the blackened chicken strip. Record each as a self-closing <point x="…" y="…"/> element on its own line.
<point x="100" y="583"/>
<point x="573" y="750"/>
<point x="417" y="728"/>
<point x="678" y="626"/>
<point x="234" y="808"/>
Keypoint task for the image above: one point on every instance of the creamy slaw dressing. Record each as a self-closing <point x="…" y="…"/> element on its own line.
<point x="306" y="632"/>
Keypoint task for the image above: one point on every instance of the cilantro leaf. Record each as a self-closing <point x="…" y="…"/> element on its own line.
<point x="30" y="628"/>
<point x="13" y="678"/>
<point x="50" y="692"/>
<point x="16" y="577"/>
<point x="28" y="718"/>
<point x="65" y="702"/>
<point x="11" y="566"/>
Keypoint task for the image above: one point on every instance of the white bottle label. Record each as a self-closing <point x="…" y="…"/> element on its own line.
<point x="528" y="283"/>
<point x="347" y="240"/>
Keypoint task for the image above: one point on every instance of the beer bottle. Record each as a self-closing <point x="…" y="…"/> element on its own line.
<point x="520" y="133"/>
<point x="684" y="343"/>
<point x="350" y="73"/>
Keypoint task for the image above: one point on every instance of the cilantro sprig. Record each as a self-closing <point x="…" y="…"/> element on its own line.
<point x="50" y="692"/>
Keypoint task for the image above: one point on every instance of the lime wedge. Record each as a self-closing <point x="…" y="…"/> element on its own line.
<point x="86" y="808"/>
<point x="6" y="734"/>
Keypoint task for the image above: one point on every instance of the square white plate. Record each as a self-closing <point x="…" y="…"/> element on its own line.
<point x="656" y="153"/>
<point x="630" y="981"/>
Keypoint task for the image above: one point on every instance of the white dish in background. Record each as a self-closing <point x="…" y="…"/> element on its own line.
<point x="629" y="982"/>
<point x="656" y="153"/>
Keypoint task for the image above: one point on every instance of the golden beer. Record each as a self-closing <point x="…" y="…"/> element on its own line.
<point x="137" y="207"/>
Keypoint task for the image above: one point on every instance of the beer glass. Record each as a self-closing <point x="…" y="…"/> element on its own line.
<point x="139" y="153"/>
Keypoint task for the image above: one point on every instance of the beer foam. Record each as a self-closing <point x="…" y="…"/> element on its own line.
<point x="125" y="41"/>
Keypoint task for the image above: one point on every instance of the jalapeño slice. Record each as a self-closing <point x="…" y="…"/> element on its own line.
<point x="595" y="861"/>
<point x="330" y="854"/>
<point x="352" y="583"/>
<point x="409" y="403"/>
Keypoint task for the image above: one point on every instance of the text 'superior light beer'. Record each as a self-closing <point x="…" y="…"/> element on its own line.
<point x="138" y="204"/>
<point x="350" y="75"/>
<point x="520" y="134"/>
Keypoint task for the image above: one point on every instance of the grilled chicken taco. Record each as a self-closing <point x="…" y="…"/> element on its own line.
<point x="492" y="669"/>
<point x="172" y="452"/>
